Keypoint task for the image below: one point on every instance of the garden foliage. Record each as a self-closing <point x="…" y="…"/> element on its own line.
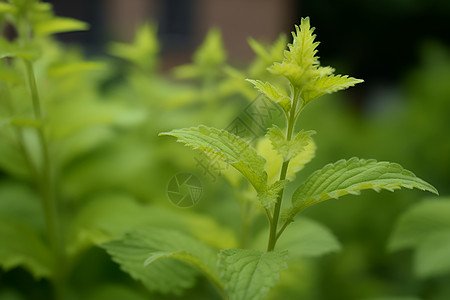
<point x="83" y="171"/>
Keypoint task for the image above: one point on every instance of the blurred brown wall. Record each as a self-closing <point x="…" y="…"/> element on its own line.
<point x="237" y="19"/>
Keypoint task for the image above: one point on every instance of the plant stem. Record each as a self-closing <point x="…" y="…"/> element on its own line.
<point x="46" y="188"/>
<point x="273" y="236"/>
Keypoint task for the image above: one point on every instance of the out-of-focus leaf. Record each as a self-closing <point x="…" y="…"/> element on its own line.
<point x="24" y="122"/>
<point x="303" y="238"/>
<point x="158" y="258"/>
<point x="250" y="274"/>
<point x="419" y="223"/>
<point x="11" y="160"/>
<point x="432" y="255"/>
<point x="6" y="8"/>
<point x="116" y="292"/>
<point x="144" y="49"/>
<point x="22" y="203"/>
<point x="21" y="245"/>
<point x="13" y="49"/>
<point x="394" y="298"/>
<point x="110" y="216"/>
<point x="72" y="67"/>
<point x="58" y="25"/>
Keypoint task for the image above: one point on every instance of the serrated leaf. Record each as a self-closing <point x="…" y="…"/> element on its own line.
<point x="351" y="177"/>
<point x="269" y="196"/>
<point x="432" y="255"/>
<point x="233" y="149"/>
<point x="303" y="238"/>
<point x="302" y="68"/>
<point x="58" y="25"/>
<point x="327" y="85"/>
<point x="250" y="274"/>
<point x="289" y="149"/>
<point x="300" y="60"/>
<point x="159" y="258"/>
<point x="272" y="93"/>
<point x="21" y="245"/>
<point x="419" y="222"/>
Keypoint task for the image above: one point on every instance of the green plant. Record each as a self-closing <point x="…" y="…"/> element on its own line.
<point x="83" y="172"/>
<point x="248" y="273"/>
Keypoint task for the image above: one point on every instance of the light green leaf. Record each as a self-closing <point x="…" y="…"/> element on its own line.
<point x="272" y="93"/>
<point x="250" y="274"/>
<point x="351" y="177"/>
<point x="72" y="67"/>
<point x="6" y="8"/>
<point x="208" y="58"/>
<point x="144" y="49"/>
<point x="275" y="160"/>
<point x="302" y="68"/>
<point x="307" y="238"/>
<point x="420" y="222"/>
<point x="159" y="258"/>
<point x="212" y="51"/>
<point x="21" y="245"/>
<point x="268" y="197"/>
<point x="266" y="55"/>
<point x="432" y="255"/>
<point x="58" y="25"/>
<point x="302" y="238"/>
<point x="327" y="85"/>
<point x="300" y="61"/>
<point x="26" y="122"/>
<point x="230" y="147"/>
<point x="13" y="49"/>
<point x="289" y="149"/>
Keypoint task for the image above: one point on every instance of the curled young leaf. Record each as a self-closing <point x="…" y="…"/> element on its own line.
<point x="302" y="68"/>
<point x="289" y="149"/>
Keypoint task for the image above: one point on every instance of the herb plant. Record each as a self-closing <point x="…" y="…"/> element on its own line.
<point x="248" y="273"/>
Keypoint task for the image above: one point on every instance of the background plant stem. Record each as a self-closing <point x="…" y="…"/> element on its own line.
<point x="46" y="187"/>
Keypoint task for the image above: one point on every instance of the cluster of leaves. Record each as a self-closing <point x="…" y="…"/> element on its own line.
<point x="307" y="81"/>
<point x="76" y="164"/>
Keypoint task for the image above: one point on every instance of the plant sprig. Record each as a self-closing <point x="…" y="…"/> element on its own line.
<point x="307" y="82"/>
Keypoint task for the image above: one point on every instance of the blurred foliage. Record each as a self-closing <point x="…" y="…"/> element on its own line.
<point x="101" y="120"/>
